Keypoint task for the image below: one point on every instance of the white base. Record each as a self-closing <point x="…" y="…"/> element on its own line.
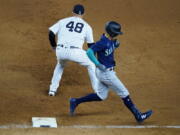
<point x="44" y="122"/>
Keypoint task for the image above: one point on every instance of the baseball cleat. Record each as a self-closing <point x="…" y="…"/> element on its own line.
<point x="73" y="106"/>
<point x="52" y="93"/>
<point x="142" y="116"/>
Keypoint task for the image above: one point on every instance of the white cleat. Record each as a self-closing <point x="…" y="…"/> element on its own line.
<point x="52" y="93"/>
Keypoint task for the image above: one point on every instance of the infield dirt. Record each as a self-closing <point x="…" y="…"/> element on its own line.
<point x="148" y="63"/>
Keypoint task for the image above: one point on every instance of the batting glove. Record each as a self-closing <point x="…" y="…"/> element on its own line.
<point x="101" y="67"/>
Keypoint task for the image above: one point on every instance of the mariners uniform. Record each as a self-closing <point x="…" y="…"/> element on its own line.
<point x="105" y="63"/>
<point x="71" y="33"/>
<point x="104" y="49"/>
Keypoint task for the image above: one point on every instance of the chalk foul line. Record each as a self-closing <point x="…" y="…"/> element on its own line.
<point x="96" y="126"/>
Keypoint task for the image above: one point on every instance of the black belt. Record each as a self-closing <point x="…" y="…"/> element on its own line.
<point x="71" y="47"/>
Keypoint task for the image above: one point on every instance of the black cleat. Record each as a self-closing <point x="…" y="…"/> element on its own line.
<point x="142" y="116"/>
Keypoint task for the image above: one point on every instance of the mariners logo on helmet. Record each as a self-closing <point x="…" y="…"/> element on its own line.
<point x="113" y="28"/>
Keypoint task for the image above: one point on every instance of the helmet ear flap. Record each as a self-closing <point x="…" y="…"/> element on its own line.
<point x="113" y="28"/>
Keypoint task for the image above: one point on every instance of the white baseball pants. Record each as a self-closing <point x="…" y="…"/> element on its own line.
<point x="77" y="55"/>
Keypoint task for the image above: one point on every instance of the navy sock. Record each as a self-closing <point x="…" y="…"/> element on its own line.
<point x="88" y="98"/>
<point x="129" y="104"/>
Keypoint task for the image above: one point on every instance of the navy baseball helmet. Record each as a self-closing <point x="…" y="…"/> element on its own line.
<point x="113" y="28"/>
<point x="78" y="9"/>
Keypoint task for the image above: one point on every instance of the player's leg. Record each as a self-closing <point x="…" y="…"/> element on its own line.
<point x="80" y="56"/>
<point x="99" y="95"/>
<point x="122" y="91"/>
<point x="58" y="71"/>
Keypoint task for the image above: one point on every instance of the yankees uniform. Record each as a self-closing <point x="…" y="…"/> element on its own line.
<point x="105" y="63"/>
<point x="71" y="33"/>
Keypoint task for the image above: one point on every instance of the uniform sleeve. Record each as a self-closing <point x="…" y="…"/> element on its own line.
<point x="98" y="46"/>
<point x="55" y="28"/>
<point x="92" y="57"/>
<point x="89" y="35"/>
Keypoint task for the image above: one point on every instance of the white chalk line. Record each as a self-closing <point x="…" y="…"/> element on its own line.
<point x="15" y="126"/>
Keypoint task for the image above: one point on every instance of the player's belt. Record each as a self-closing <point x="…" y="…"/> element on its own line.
<point x="71" y="47"/>
<point x="110" y="69"/>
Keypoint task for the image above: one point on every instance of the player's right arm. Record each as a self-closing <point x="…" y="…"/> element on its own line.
<point x="53" y="30"/>
<point x="52" y="39"/>
<point x="92" y="57"/>
<point x="91" y="54"/>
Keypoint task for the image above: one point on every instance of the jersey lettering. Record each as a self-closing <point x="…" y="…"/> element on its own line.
<point x="109" y="51"/>
<point x="70" y="25"/>
<point x="75" y="27"/>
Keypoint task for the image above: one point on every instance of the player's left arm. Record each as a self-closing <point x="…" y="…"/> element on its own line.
<point x="116" y="43"/>
<point x="53" y="30"/>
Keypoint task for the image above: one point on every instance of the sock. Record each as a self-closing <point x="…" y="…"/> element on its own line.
<point x="129" y="104"/>
<point x="88" y="98"/>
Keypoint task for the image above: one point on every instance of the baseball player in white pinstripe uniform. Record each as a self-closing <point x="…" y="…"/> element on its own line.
<point x="71" y="33"/>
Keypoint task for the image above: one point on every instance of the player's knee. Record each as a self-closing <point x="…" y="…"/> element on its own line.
<point x="123" y="94"/>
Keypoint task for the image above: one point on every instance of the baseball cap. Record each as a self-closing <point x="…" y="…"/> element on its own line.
<point x="78" y="9"/>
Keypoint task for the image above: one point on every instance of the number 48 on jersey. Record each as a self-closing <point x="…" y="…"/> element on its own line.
<point x="76" y="27"/>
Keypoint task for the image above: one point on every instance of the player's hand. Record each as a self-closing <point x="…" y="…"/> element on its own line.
<point x="116" y="43"/>
<point x="101" y="67"/>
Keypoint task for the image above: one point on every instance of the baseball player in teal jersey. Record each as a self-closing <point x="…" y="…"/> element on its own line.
<point x="105" y="64"/>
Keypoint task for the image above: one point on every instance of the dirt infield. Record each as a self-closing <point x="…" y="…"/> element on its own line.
<point x="147" y="63"/>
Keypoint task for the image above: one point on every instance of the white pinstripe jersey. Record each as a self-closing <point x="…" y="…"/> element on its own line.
<point x="72" y="31"/>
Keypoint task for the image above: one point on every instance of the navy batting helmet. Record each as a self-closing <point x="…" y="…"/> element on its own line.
<point x="113" y="28"/>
